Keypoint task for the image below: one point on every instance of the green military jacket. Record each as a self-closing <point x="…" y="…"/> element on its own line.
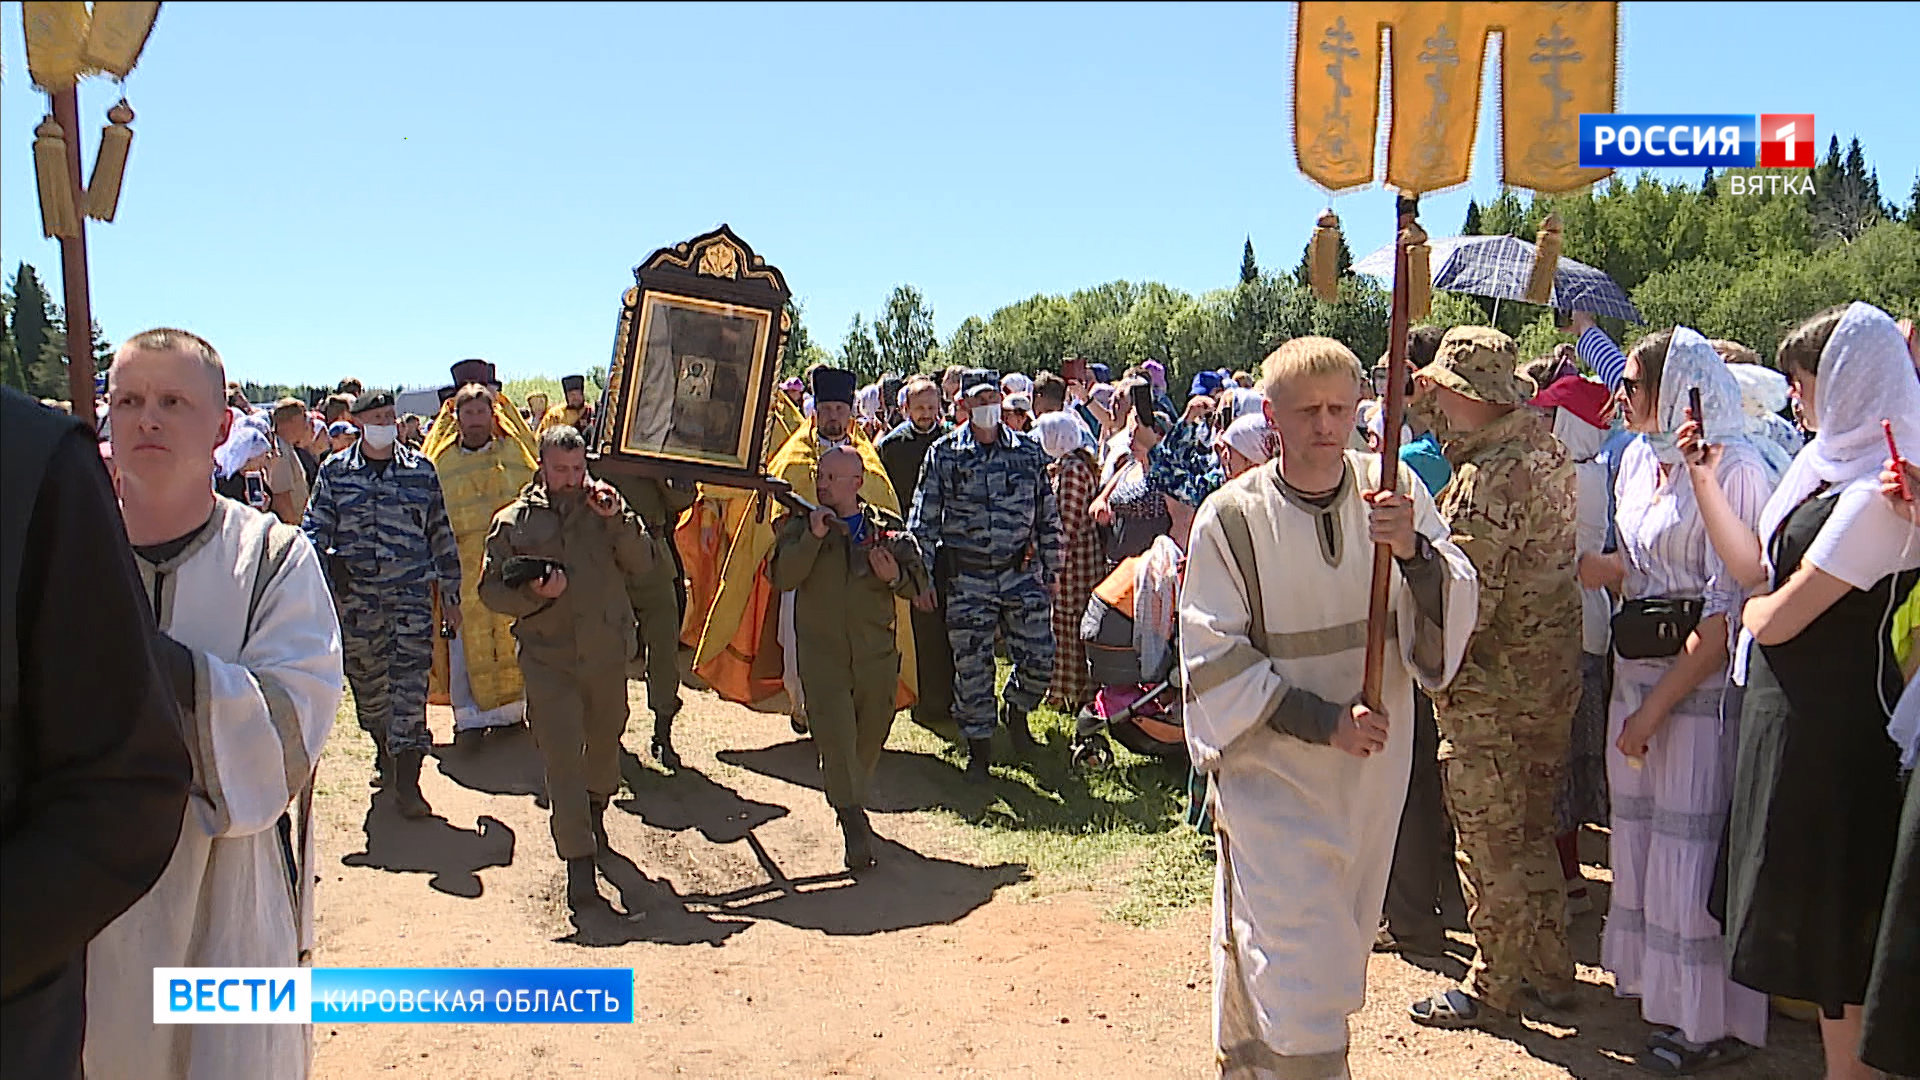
<point x="843" y="613"/>
<point x="607" y="560"/>
<point x="1510" y="506"/>
<point x="658" y="506"/>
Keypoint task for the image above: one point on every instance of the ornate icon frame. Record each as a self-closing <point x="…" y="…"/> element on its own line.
<point x="716" y="274"/>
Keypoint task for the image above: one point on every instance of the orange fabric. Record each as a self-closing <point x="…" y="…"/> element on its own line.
<point x="1557" y="61"/>
<point x="1117" y="589"/>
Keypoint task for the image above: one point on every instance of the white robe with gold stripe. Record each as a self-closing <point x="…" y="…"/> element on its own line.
<point x="1307" y="831"/>
<point x="266" y="697"/>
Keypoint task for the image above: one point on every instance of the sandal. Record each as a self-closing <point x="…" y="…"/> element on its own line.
<point x="1452" y="1010"/>
<point x="1668" y="1055"/>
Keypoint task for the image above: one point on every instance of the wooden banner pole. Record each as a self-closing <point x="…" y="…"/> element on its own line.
<point x="73" y="269"/>
<point x="1378" y="602"/>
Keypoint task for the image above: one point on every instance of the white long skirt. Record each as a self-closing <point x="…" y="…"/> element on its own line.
<point x="1660" y="942"/>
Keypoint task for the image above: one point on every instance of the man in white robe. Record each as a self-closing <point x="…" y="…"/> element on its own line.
<point x="1307" y="782"/>
<point x="249" y="634"/>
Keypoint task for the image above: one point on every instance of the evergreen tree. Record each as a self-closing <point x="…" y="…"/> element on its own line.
<point x="29" y="325"/>
<point x="859" y="354"/>
<point x="1249" y="269"/>
<point x="1913" y="205"/>
<point x="11" y="372"/>
<point x="1471" y="226"/>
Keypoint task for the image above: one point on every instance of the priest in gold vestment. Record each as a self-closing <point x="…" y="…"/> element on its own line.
<point x="484" y="454"/>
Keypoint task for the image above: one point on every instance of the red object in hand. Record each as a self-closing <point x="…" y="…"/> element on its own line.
<point x="1899" y="463"/>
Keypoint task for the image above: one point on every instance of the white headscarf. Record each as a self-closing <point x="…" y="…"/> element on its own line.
<point x="1249" y="435"/>
<point x="1865" y="376"/>
<point x="1248" y="403"/>
<point x="1692" y="363"/>
<point x="1059" y="434"/>
<point x="250" y="436"/>
<point x="1763" y="393"/>
<point x="1016" y="383"/>
<point x="866" y="402"/>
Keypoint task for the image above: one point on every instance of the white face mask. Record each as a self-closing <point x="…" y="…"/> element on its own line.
<point x="380" y="436"/>
<point x="985" y="416"/>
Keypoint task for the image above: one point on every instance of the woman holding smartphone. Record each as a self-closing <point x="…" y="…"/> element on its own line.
<point x="1817" y="798"/>
<point x="1669" y="765"/>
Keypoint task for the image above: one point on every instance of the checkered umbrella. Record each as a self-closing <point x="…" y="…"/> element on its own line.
<point x="1498" y="266"/>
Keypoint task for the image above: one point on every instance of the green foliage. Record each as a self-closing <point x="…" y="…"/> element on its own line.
<point x="858" y="353"/>
<point x="903" y="333"/>
<point x="12" y="373"/>
<point x="1249" y="268"/>
<point x="1472" y="226"/>
<point x="802" y="351"/>
<point x="30" y="324"/>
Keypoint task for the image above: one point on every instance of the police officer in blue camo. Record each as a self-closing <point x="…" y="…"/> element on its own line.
<point x="378" y="518"/>
<point x="984" y="518"/>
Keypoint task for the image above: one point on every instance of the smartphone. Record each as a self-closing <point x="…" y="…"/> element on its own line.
<point x="1075" y="370"/>
<point x="257" y="492"/>
<point x="1694" y="412"/>
<point x="1142" y="396"/>
<point x="1893" y="451"/>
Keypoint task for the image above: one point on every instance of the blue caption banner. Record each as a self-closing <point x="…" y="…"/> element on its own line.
<point x="1656" y="140"/>
<point x="473" y="995"/>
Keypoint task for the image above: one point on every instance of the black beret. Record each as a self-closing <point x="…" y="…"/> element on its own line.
<point x="371" y="400"/>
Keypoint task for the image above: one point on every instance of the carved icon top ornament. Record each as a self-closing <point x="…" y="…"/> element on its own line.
<point x="718" y="259"/>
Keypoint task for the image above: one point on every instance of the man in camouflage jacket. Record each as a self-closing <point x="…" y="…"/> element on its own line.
<point x="1506" y="718"/>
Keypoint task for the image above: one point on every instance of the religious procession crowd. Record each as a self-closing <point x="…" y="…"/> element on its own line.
<point x="1669" y="590"/>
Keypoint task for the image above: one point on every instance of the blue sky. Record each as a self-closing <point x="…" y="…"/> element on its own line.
<point x="379" y="190"/>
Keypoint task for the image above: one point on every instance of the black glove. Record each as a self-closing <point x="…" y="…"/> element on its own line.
<point x="521" y="570"/>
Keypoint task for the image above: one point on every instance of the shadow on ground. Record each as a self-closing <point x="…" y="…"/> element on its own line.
<point x="1038" y="792"/>
<point x="430" y="845"/>
<point x="906" y="889"/>
<point x="506" y="763"/>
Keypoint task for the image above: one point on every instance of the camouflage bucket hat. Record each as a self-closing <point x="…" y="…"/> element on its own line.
<point x="1479" y="362"/>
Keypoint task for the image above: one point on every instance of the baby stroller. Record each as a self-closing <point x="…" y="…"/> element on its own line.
<point x="1138" y="706"/>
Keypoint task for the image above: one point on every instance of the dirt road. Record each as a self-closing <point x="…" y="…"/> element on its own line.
<point x="754" y="956"/>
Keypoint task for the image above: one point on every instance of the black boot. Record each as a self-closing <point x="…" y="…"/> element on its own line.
<point x="582" y="890"/>
<point x="859" y="838"/>
<point x="382" y="765"/>
<point x="663" y="751"/>
<point x="979" y="756"/>
<point x="597" y="814"/>
<point x="406" y="784"/>
<point x="1016" y="721"/>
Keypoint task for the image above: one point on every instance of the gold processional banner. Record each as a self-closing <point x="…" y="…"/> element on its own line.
<point x="1557" y="61"/>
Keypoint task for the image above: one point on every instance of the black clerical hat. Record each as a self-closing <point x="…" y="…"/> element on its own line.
<point x="573" y="382"/>
<point x="472" y="371"/>
<point x="833" y="384"/>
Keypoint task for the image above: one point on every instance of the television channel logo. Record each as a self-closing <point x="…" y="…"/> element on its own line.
<point x="1696" y="140"/>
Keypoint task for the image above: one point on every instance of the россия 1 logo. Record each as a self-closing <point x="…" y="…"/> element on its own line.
<point x="1692" y="141"/>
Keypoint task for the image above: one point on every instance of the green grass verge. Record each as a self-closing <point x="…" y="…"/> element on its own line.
<point x="1114" y="830"/>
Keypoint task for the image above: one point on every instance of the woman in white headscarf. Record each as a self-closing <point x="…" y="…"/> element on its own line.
<point x="1245" y="444"/>
<point x="1668" y="766"/>
<point x="1764" y="394"/>
<point x="1816" y="804"/>
<point x="1075" y="481"/>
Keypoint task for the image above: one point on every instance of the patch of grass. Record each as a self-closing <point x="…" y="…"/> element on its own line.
<point x="1120" y="829"/>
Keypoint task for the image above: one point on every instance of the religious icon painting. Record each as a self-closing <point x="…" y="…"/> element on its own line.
<point x="698" y="344"/>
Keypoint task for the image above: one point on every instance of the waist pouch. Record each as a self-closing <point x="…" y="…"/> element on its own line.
<point x="1654" y="628"/>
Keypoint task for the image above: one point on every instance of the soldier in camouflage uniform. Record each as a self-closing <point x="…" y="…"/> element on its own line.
<point x="985" y="520"/>
<point x="1506" y="717"/>
<point x="380" y="522"/>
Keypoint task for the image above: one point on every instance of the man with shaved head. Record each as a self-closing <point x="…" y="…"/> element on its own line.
<point x="248" y="636"/>
<point x="846" y="563"/>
